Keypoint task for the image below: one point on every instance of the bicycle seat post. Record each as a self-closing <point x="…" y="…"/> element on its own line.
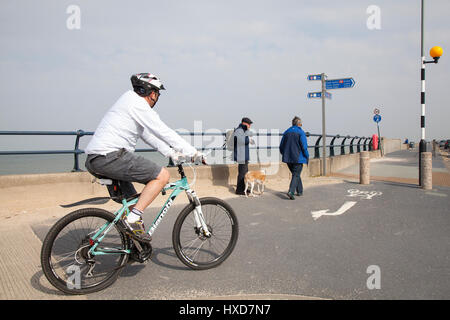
<point x="181" y="171"/>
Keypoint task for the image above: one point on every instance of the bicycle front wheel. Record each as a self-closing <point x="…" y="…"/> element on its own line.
<point x="65" y="257"/>
<point x="198" y="251"/>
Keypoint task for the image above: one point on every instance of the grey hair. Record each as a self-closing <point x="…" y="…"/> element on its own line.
<point x="296" y="121"/>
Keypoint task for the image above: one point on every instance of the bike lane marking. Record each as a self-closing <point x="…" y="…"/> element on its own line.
<point x="365" y="195"/>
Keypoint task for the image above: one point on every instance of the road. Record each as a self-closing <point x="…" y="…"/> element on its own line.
<point x="397" y="239"/>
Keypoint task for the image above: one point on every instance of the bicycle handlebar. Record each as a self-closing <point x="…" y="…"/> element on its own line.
<point x="182" y="174"/>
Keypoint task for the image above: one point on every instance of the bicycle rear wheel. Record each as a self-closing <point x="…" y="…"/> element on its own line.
<point x="196" y="250"/>
<point x="65" y="257"/>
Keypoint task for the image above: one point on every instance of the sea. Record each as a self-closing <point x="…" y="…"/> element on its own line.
<point x="61" y="163"/>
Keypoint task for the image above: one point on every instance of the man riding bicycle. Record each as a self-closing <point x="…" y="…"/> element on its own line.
<point x="111" y="149"/>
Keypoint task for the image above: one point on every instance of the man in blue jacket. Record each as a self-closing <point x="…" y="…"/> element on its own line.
<point x="294" y="148"/>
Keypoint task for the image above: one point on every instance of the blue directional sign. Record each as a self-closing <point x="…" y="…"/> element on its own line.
<point x="339" y="83"/>
<point x="315" y="77"/>
<point x="377" y="118"/>
<point x="312" y="95"/>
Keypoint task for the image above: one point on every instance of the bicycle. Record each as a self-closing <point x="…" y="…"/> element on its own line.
<point x="86" y="250"/>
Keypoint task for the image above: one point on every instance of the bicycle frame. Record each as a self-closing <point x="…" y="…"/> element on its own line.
<point x="178" y="187"/>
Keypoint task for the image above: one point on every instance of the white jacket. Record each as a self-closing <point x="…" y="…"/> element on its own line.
<point x="129" y="119"/>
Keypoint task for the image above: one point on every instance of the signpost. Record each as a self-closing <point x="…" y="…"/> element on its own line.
<point x="327" y="85"/>
<point x="315" y="77"/>
<point x="339" y="83"/>
<point x="312" y="95"/>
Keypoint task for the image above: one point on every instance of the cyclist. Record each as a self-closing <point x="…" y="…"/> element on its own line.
<point x="110" y="152"/>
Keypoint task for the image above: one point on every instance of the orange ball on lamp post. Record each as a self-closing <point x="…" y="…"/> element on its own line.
<point x="436" y="53"/>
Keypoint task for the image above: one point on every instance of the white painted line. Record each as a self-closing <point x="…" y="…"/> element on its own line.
<point x="347" y="205"/>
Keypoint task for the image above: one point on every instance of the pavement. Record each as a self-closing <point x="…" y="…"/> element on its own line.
<point x="340" y="240"/>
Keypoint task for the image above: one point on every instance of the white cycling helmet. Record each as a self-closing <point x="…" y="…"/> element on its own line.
<point x="145" y="83"/>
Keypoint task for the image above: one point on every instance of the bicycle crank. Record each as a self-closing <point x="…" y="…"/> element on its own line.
<point x="141" y="251"/>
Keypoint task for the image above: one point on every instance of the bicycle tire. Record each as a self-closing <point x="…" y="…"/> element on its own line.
<point x="48" y="244"/>
<point x="228" y="216"/>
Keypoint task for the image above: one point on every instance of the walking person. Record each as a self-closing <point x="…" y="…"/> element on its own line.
<point x="241" y="152"/>
<point x="294" y="150"/>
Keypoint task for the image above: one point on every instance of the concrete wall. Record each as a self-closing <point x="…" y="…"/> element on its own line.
<point x="218" y="174"/>
<point x="391" y="145"/>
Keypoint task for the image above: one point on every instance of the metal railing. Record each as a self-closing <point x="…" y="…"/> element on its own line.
<point x="76" y="151"/>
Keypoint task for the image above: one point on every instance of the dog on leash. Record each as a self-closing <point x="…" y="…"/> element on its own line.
<point x="255" y="177"/>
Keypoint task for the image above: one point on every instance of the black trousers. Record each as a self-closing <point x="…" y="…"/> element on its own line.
<point x="242" y="170"/>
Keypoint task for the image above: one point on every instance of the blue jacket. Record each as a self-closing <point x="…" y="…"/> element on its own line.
<point x="293" y="146"/>
<point x="241" y="144"/>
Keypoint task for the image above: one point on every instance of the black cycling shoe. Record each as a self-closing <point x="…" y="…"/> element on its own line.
<point x="135" y="229"/>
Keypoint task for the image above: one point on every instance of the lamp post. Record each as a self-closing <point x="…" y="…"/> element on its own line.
<point x="435" y="53"/>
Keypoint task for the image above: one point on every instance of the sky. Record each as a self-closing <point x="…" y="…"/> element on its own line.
<point x="221" y="61"/>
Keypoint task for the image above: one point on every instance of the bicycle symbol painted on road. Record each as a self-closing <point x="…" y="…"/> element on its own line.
<point x="366" y="195"/>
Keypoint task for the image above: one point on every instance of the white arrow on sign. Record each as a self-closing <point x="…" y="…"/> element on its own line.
<point x="347" y="205"/>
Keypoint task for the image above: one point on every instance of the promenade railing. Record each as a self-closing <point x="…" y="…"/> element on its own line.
<point x="356" y="143"/>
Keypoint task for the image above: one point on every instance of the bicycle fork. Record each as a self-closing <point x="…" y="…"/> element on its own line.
<point x="198" y="214"/>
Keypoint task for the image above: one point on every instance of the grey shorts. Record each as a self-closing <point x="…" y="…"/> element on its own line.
<point x="123" y="165"/>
